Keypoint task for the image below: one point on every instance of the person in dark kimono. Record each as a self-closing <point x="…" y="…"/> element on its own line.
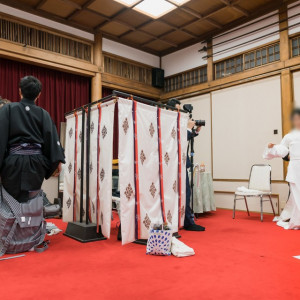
<point x="189" y="222"/>
<point x="30" y="150"/>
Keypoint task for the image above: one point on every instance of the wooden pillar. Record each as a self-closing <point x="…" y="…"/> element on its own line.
<point x="98" y="61"/>
<point x="286" y="103"/>
<point x="210" y="63"/>
<point x="286" y="99"/>
<point x="284" y="34"/>
<point x="286" y="76"/>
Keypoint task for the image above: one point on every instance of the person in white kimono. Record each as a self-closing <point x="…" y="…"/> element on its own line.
<point x="290" y="145"/>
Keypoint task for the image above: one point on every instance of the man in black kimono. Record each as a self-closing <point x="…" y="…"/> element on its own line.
<point x="189" y="222"/>
<point x="30" y="150"/>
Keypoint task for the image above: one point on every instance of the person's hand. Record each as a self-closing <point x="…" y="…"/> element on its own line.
<point x="271" y="145"/>
<point x="57" y="171"/>
<point x="198" y="129"/>
<point x="191" y="124"/>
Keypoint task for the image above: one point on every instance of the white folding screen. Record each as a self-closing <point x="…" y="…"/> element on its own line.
<point x="126" y="166"/>
<point x="152" y="167"/>
<point x="72" y="172"/>
<point x="147" y="166"/>
<point x="100" y="167"/>
<point x="182" y="159"/>
<point x="101" y="156"/>
<point x="149" y="190"/>
<point x="169" y="165"/>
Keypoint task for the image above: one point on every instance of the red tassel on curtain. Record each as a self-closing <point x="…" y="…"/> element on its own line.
<point x="62" y="92"/>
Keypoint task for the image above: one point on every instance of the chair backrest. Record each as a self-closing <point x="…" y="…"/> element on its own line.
<point x="260" y="178"/>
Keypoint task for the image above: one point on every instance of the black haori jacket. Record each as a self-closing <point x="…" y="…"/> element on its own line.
<point x="24" y="122"/>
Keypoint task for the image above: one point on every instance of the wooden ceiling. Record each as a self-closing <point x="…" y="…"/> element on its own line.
<point x="194" y="21"/>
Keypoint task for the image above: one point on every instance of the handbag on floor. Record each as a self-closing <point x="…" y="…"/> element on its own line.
<point x="22" y="225"/>
<point x="159" y="242"/>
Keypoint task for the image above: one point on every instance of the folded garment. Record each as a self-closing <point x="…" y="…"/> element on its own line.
<point x="52" y="229"/>
<point x="243" y="189"/>
<point x="276" y="151"/>
<point x="179" y="249"/>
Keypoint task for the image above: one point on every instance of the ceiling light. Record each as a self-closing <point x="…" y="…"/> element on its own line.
<point x="154" y="8"/>
<point x="179" y="2"/>
<point x="128" y="2"/>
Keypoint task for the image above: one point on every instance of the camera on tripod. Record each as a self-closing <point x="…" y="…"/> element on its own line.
<point x="189" y="108"/>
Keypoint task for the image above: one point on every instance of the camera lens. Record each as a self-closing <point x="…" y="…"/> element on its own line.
<point x="200" y="123"/>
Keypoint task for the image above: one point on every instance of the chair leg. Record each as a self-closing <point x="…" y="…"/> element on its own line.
<point x="234" y="204"/>
<point x="247" y="205"/>
<point x="272" y="204"/>
<point x="261" y="209"/>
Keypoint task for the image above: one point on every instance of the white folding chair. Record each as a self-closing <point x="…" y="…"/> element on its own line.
<point x="260" y="180"/>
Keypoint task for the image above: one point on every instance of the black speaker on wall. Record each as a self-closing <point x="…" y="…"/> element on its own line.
<point x="158" y="77"/>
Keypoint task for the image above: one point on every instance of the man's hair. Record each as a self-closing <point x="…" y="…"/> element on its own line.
<point x="295" y="112"/>
<point x="173" y="102"/>
<point x="30" y="87"/>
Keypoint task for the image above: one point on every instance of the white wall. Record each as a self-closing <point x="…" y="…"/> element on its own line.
<point x="182" y="60"/>
<point x="202" y="144"/>
<point x="50" y="187"/>
<point x="244" y="118"/>
<point x="46" y="22"/>
<point x="130" y="53"/>
<point x="292" y="11"/>
<point x="296" y="78"/>
<point x="235" y="46"/>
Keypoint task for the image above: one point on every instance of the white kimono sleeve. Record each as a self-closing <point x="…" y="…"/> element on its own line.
<point x="280" y="150"/>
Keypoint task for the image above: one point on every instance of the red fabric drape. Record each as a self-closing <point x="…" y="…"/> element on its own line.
<point x="62" y="92"/>
<point x="106" y="92"/>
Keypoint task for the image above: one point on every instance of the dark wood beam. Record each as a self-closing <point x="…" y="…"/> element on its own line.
<point x="120" y="12"/>
<point x="160" y="38"/>
<point x="75" y="5"/>
<point x="241" y="10"/>
<point x="234" y="5"/>
<point x="136" y="28"/>
<point x="77" y="11"/>
<point x="40" y="4"/>
<point x="196" y="14"/>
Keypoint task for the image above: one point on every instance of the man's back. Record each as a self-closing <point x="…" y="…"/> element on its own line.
<point x="29" y="144"/>
<point x="25" y="122"/>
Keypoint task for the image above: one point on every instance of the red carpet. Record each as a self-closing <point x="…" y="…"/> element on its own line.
<point x="235" y="259"/>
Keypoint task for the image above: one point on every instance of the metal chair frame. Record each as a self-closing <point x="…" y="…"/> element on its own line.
<point x="261" y="196"/>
